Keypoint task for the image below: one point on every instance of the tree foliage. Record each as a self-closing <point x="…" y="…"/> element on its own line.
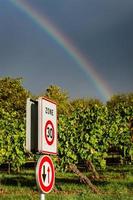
<point x="93" y="128"/>
<point x="84" y="103"/>
<point x="82" y="136"/>
<point x="60" y="96"/>
<point x="87" y="129"/>
<point x="12" y="139"/>
<point x="13" y="96"/>
<point x="120" y="110"/>
<point x="12" y="121"/>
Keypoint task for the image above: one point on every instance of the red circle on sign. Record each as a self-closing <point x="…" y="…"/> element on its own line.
<point x="46" y="126"/>
<point x="43" y="159"/>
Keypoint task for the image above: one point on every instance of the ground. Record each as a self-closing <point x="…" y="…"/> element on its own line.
<point x="116" y="183"/>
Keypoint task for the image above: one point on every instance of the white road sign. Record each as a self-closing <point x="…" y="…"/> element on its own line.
<point x="47" y="126"/>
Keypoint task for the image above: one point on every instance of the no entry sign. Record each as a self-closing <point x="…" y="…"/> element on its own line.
<point x="47" y="126"/>
<point x="45" y="174"/>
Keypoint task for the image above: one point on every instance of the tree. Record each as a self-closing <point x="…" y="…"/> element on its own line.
<point x="12" y="121"/>
<point x="120" y="111"/>
<point x="82" y="137"/>
<point x="13" y="96"/>
<point x="60" y="97"/>
<point x="12" y="139"/>
<point x="84" y="103"/>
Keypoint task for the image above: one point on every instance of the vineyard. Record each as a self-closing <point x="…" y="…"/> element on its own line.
<point x="90" y="135"/>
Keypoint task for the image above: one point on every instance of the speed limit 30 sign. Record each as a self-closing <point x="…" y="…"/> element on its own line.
<point x="47" y="126"/>
<point x="49" y="132"/>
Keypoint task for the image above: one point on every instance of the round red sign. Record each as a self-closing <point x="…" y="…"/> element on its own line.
<point x="45" y="174"/>
<point x="49" y="132"/>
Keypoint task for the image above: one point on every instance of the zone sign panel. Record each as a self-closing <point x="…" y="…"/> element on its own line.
<point x="45" y="174"/>
<point x="47" y="126"/>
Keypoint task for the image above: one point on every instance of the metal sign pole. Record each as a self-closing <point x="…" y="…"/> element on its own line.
<point x="42" y="196"/>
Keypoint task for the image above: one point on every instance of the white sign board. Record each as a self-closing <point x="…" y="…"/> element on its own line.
<point x="47" y="126"/>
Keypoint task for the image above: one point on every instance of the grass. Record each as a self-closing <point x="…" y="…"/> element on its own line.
<point x="116" y="183"/>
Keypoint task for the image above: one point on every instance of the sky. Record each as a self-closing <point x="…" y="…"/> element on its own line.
<point x="83" y="46"/>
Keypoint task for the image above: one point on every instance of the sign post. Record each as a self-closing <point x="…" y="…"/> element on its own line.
<point x="42" y="196"/>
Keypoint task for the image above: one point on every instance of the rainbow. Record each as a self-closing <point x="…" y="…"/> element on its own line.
<point x="101" y="85"/>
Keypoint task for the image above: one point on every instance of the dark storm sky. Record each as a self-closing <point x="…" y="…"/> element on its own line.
<point x="102" y="30"/>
